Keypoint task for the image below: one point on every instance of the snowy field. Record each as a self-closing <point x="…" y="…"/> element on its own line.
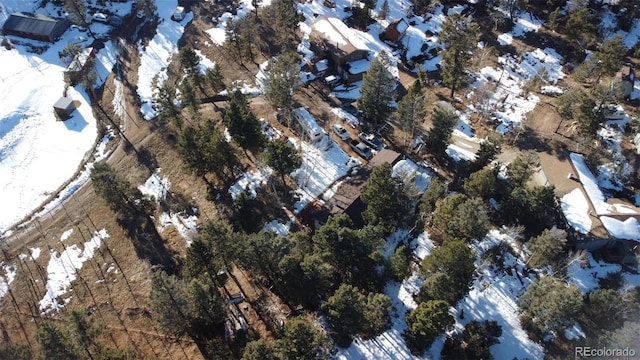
<point x="157" y="54"/>
<point x="62" y="270"/>
<point x="34" y="145"/>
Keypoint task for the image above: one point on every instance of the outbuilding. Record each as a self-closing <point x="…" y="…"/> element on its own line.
<point x="35" y="26"/>
<point x="64" y="107"/>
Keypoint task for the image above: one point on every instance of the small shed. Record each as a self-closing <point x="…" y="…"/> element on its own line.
<point x="64" y="107"/>
<point x="35" y="26"/>
<point x="395" y="30"/>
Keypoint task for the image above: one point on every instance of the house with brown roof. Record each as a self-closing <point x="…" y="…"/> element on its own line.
<point x="346" y="199"/>
<point x="342" y="46"/>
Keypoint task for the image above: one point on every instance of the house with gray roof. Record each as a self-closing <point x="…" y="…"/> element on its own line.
<point x="35" y="26"/>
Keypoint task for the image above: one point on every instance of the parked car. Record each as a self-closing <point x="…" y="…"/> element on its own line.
<point x="348" y="107"/>
<point x="340" y="131"/>
<point x="178" y="14"/>
<point x="383" y="129"/>
<point x="371" y="140"/>
<point x="361" y="149"/>
<point x="100" y="17"/>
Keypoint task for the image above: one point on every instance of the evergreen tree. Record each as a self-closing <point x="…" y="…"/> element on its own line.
<point x="54" y="343"/>
<point x="377" y="91"/>
<point x="190" y="63"/>
<point x="459" y="37"/>
<point x="243" y="125"/>
<point x="282" y="158"/>
<point x="581" y="28"/>
<point x="474" y="342"/>
<point x="169" y="301"/>
<point x="282" y="79"/>
<point x="377" y="318"/>
<point x="425" y="324"/>
<point x="551" y="305"/>
<point x="399" y="263"/>
<point x="439" y="286"/>
<point x="122" y="197"/>
<point x="388" y="203"/>
<point x="261" y="349"/>
<point x="345" y="314"/>
<point x="85" y="332"/>
<point x="455" y="259"/>
<point x="351" y="313"/>
<point x="303" y="340"/>
<point x="520" y="170"/>
<point x="483" y="183"/>
<point x="411" y="110"/>
<point x="488" y="151"/>
<point x="608" y="309"/>
<point x="446" y="210"/>
<point x="607" y="59"/>
<point x="471" y="221"/>
<point x="437" y="190"/>
<point x="15" y="351"/>
<point x="547" y="247"/>
<point x="439" y="136"/>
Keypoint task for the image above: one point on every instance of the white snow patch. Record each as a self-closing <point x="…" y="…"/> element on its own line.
<point x="65" y="235"/>
<point x="423" y="246"/>
<point x="249" y="182"/>
<point x="7" y="278"/>
<point x="155" y="187"/>
<point x="574" y="332"/>
<point x="585" y="274"/>
<point x="628" y="229"/>
<point x="278" y="227"/>
<point x="156" y="56"/>
<point x="62" y="270"/>
<point x="576" y="209"/>
<point x="185" y="224"/>
<point x="412" y="174"/>
<point x="457" y="153"/>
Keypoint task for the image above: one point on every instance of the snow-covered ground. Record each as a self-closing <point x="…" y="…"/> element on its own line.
<point x="157" y="54"/>
<point x="34" y="145"/>
<point x="186" y="223"/>
<point x="62" y="270"/>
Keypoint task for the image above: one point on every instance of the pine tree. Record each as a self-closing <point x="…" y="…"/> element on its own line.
<point x="459" y="36"/>
<point x="455" y="259"/>
<point x="282" y="79"/>
<point x="85" y="332"/>
<point x="471" y="221"/>
<point x="547" y="247"/>
<point x="243" y="125"/>
<point x="487" y="152"/>
<point x="483" y="183"/>
<point x="388" y="203"/>
<point x="54" y="343"/>
<point x="377" y="91"/>
<point x="303" y="340"/>
<point x="550" y="304"/>
<point x="439" y="136"/>
<point x="425" y="324"/>
<point x="282" y="158"/>
<point x="344" y="311"/>
<point x="411" y="111"/>
<point x="190" y="63"/>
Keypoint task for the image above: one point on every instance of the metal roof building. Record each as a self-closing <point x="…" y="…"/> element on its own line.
<point x="35" y="26"/>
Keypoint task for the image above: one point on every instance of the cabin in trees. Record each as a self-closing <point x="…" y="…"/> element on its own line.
<point x="35" y="26"/>
<point x="341" y="46"/>
<point x="395" y="31"/>
<point x="346" y="199"/>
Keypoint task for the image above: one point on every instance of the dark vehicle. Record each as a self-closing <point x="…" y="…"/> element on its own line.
<point x="361" y="149"/>
<point x="371" y="140"/>
<point x="383" y="130"/>
<point x="348" y="107"/>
